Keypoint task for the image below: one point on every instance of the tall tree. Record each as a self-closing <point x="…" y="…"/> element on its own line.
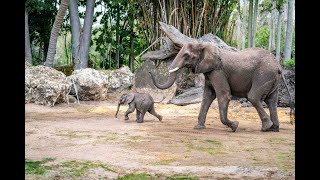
<point x="118" y="36"/>
<point x="81" y="37"/>
<point x="288" y="40"/>
<point x="254" y="24"/>
<point x="27" y="51"/>
<point x="272" y="26"/>
<point x="55" y="32"/>
<point x="243" y="28"/>
<point x="250" y="23"/>
<point x="280" y="11"/>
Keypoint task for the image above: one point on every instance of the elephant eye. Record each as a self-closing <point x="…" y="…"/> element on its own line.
<point x="186" y="56"/>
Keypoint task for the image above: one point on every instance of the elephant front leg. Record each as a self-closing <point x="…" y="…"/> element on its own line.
<point x="208" y="96"/>
<point x="223" y="102"/>
<point x="130" y="110"/>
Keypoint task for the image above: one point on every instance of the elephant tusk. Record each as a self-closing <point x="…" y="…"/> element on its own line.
<point x="173" y="70"/>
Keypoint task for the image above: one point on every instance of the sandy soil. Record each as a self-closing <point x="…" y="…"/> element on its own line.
<point x="90" y="132"/>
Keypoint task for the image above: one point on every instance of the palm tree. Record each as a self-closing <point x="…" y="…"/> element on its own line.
<point x="55" y="32"/>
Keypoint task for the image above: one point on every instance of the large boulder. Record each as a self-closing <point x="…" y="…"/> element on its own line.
<point x="119" y="79"/>
<point x="93" y="85"/>
<point x="45" y="85"/>
<point x="90" y="84"/>
<point x="283" y="100"/>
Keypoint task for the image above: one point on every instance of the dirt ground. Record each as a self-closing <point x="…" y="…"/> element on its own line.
<point x="88" y="135"/>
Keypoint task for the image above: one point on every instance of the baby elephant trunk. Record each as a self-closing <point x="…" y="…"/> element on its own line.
<point x="117" y="110"/>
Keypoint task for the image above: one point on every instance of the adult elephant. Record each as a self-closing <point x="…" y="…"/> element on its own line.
<point x="252" y="73"/>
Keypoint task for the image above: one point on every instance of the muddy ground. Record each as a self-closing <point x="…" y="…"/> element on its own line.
<point x="86" y="141"/>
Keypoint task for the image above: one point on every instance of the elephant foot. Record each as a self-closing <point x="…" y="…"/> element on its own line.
<point x="198" y="126"/>
<point x="273" y="128"/>
<point x="266" y="124"/>
<point x="234" y="125"/>
<point x="139" y="121"/>
<point x="126" y="118"/>
<point x="160" y="118"/>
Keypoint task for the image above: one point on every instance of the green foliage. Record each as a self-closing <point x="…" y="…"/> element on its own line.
<point x="41" y="18"/>
<point x="262" y="37"/>
<point x="37" y="167"/>
<point x="289" y="63"/>
<point x="141" y="176"/>
<point x="80" y="168"/>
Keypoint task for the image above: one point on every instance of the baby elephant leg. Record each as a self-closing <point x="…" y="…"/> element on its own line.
<point x="140" y="119"/>
<point x="153" y="112"/>
<point x="130" y="110"/>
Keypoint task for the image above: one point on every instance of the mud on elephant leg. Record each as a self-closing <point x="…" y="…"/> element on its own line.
<point x="271" y="101"/>
<point x="130" y="110"/>
<point x="208" y="96"/>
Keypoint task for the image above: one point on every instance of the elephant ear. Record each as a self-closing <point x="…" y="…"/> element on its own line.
<point x="209" y="59"/>
<point x="129" y="98"/>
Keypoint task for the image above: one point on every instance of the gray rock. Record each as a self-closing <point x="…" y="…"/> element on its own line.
<point x="94" y="84"/>
<point x="45" y="85"/>
<point x="90" y="84"/>
<point x="119" y="79"/>
<point x="193" y="95"/>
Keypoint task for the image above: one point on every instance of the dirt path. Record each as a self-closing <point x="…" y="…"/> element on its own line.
<point x="90" y="133"/>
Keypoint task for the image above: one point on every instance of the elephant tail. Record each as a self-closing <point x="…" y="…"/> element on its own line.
<point x="160" y="100"/>
<point x="291" y="101"/>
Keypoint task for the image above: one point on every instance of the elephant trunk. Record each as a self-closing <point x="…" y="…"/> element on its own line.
<point x="117" y="110"/>
<point x="169" y="83"/>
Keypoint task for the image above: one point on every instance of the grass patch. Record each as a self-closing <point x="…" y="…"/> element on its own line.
<point x="285" y="160"/>
<point x="182" y="178"/>
<point x="274" y="141"/>
<point x="80" y="168"/>
<point x="211" y="147"/>
<point x="141" y="176"/>
<point x="74" y="134"/>
<point x="37" y="167"/>
<point x="258" y="162"/>
<point x="214" y="142"/>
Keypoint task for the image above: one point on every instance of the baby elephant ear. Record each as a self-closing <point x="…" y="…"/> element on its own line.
<point x="129" y="98"/>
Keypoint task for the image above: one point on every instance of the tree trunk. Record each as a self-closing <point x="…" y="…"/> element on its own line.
<point x="254" y="26"/>
<point x="244" y="24"/>
<point x="239" y="37"/>
<point x="288" y="41"/>
<point x="250" y="23"/>
<point x="75" y="33"/>
<point x="279" y="34"/>
<point x="27" y="50"/>
<point x="272" y="27"/>
<point x="86" y="36"/>
<point x="55" y="32"/>
<point x="118" y="37"/>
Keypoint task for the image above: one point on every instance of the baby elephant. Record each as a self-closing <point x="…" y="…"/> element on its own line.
<point x="143" y="102"/>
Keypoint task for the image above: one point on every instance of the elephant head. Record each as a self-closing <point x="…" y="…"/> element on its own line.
<point x="125" y="99"/>
<point x="200" y="57"/>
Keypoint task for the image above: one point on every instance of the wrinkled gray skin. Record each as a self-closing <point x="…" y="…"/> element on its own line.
<point x="143" y="102"/>
<point x="252" y="73"/>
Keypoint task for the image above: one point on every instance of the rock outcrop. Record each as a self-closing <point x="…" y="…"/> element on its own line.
<point x="45" y="85"/>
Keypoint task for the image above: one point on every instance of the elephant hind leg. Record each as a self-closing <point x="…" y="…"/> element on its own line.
<point x="141" y="117"/>
<point x="271" y="101"/>
<point x="256" y="96"/>
<point x="137" y="115"/>
<point x="153" y="112"/>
